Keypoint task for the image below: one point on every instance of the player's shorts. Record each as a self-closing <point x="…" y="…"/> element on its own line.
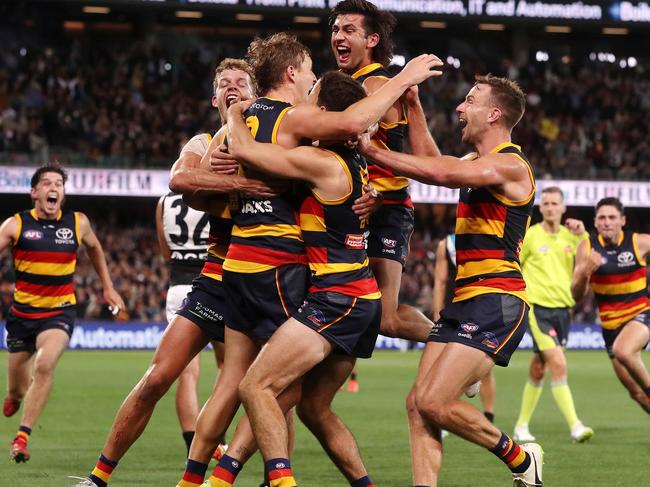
<point x="205" y="306"/>
<point x="22" y="332"/>
<point x="258" y="303"/>
<point x="350" y="324"/>
<point x="610" y="335"/>
<point x="175" y="296"/>
<point x="390" y="233"/>
<point x="549" y="327"/>
<point x="494" y="323"/>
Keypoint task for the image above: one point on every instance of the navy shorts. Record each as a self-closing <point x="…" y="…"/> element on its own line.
<point x="610" y="335"/>
<point x="22" y="332"/>
<point x="494" y="323"/>
<point x="391" y="228"/>
<point x="258" y="303"/>
<point x="205" y="306"/>
<point x="350" y="324"/>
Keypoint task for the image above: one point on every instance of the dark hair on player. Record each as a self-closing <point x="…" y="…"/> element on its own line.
<point x="610" y="201"/>
<point x="338" y="91"/>
<point x="38" y="174"/>
<point x="507" y="95"/>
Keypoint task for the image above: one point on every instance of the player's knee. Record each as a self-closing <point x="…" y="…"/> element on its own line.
<point x="247" y="389"/>
<point x="622" y="354"/>
<point x="411" y="405"/>
<point x="44" y="368"/>
<point x="190" y="375"/>
<point x="431" y="408"/>
<point x="310" y="413"/>
<point x="558" y="368"/>
<point x="154" y="385"/>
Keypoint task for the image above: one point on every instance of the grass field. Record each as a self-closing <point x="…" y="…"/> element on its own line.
<point x="90" y="386"/>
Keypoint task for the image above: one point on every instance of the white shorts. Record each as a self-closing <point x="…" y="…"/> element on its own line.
<point x="175" y="296"/>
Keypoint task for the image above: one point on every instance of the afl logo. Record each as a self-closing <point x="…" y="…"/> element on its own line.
<point x="64" y="233"/>
<point x="469" y="327"/>
<point x="625" y="257"/>
<point x="32" y="234"/>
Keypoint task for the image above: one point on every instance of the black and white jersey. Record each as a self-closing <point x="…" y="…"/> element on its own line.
<point x="186" y="232"/>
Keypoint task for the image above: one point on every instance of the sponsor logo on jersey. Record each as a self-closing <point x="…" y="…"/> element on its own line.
<point x="389" y="243"/>
<point x="33" y="234"/>
<point x="355" y="241"/>
<point x="625" y="259"/>
<point x="317" y="317"/>
<point x="543" y="249"/>
<point x="64" y="236"/>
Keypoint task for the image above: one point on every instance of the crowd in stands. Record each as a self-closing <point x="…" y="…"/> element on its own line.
<point x="122" y="102"/>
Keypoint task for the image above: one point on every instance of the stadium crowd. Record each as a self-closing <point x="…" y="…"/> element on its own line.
<point x="125" y="103"/>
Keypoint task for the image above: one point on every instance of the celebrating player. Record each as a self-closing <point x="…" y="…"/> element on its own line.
<point x="45" y="240"/>
<point x="488" y="315"/>
<point x="613" y="263"/>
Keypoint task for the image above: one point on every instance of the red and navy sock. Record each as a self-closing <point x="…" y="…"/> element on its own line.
<point x="489" y="415"/>
<point x="363" y="482"/>
<point x="511" y="454"/>
<point x="24" y="433"/>
<point x="225" y="473"/>
<point x="194" y="474"/>
<point x="102" y="472"/>
<point x="279" y="473"/>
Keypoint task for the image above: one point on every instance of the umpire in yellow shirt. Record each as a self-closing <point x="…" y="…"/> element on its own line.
<point x="547" y="259"/>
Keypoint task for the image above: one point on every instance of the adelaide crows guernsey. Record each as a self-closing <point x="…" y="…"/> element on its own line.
<point x="490" y="230"/>
<point x="619" y="284"/>
<point x="266" y="232"/>
<point x="45" y="258"/>
<point x="391" y="137"/>
<point x="335" y="238"/>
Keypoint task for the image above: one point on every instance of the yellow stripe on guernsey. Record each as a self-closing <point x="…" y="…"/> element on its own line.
<point x="43" y="301"/>
<point x="336" y="267"/>
<point x="216" y="277"/>
<point x="312" y="223"/>
<point x="390" y="184"/>
<point x="502" y="198"/>
<point x="482" y="226"/>
<point x="286" y="231"/>
<point x="617" y="314"/>
<point x="44" y="268"/>
<point x="620" y="288"/>
<point x="486" y="266"/>
<point x="19" y="226"/>
<point x="245" y="267"/>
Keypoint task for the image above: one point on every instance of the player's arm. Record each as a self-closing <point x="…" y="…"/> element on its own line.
<point x="440" y="276"/>
<point x="492" y="169"/>
<point x="577" y="228"/>
<point x="9" y="232"/>
<point x="96" y="255"/>
<point x="309" y="121"/>
<point x="643" y="243"/>
<point x="420" y="138"/>
<point x="162" y="241"/>
<point x="587" y="261"/>
<point x="303" y="162"/>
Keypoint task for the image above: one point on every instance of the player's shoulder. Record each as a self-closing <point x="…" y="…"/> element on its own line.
<point x="198" y="144"/>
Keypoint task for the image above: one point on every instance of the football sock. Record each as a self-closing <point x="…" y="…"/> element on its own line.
<point x="188" y="436"/>
<point x="529" y="400"/>
<point x="194" y="474"/>
<point x="489" y="415"/>
<point x="362" y="482"/>
<point x="102" y="472"/>
<point x="647" y="392"/>
<point x="279" y="473"/>
<point x="564" y="400"/>
<point x="225" y="473"/>
<point x="24" y="432"/>
<point x="511" y="454"/>
<point x="353" y="376"/>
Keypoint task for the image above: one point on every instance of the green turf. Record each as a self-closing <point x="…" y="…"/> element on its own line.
<point x="89" y="387"/>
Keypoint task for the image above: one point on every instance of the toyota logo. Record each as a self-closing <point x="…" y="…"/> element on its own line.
<point x="64" y="233"/>
<point x="625" y="257"/>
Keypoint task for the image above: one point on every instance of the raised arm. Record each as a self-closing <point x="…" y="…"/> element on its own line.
<point x="96" y="255"/>
<point x="587" y="261"/>
<point x="420" y="138"/>
<point x="162" y="241"/>
<point x="440" y="276"/>
<point x="308" y="121"/>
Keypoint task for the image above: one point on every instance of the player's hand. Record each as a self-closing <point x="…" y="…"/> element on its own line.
<point x="369" y="203"/>
<point x="411" y="96"/>
<point x="421" y="68"/>
<point x="259" y="189"/>
<point x="236" y="109"/>
<point x="223" y="162"/>
<point x="364" y="145"/>
<point x="594" y="261"/>
<point x="577" y="227"/>
<point x="114" y="300"/>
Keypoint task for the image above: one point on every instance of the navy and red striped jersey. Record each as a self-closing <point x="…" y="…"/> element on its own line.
<point x="390" y="137"/>
<point x="266" y="233"/>
<point x="335" y="238"/>
<point x="45" y="258"/>
<point x="489" y="232"/>
<point x="619" y="284"/>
